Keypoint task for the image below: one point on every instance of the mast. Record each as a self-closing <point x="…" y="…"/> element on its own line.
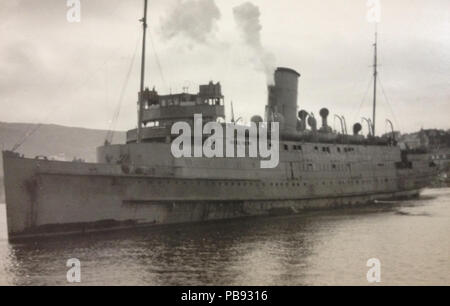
<point x="375" y="72"/>
<point x="141" y="89"/>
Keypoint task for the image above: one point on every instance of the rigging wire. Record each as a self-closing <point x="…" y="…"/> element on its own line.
<point x="363" y="100"/>
<point x="389" y="104"/>
<point x="33" y="130"/>
<point x="158" y="62"/>
<point x="27" y="134"/>
<point x="112" y="127"/>
<point x="30" y="131"/>
<point x="88" y="78"/>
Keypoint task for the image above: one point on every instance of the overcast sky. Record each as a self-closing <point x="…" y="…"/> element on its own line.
<point x="53" y="71"/>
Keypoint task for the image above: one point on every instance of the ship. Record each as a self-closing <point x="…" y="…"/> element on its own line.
<point x="142" y="184"/>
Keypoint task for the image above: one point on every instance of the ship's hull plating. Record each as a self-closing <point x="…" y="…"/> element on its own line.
<point x="50" y="198"/>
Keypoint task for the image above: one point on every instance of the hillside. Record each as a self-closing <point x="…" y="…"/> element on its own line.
<point x="53" y="140"/>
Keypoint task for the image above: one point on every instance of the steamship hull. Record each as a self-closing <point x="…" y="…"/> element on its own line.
<point x="46" y="197"/>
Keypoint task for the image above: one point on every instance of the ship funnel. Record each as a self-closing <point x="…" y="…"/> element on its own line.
<point x="357" y="128"/>
<point x="282" y="99"/>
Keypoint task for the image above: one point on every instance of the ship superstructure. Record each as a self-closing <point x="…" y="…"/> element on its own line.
<point x="141" y="183"/>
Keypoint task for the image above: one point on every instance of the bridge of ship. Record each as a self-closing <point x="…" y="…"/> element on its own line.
<point x="160" y="112"/>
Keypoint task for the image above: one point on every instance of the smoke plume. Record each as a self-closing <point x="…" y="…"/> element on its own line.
<point x="195" y="19"/>
<point x="246" y="17"/>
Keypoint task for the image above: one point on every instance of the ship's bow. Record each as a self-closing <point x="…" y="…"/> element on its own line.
<point x="20" y="192"/>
